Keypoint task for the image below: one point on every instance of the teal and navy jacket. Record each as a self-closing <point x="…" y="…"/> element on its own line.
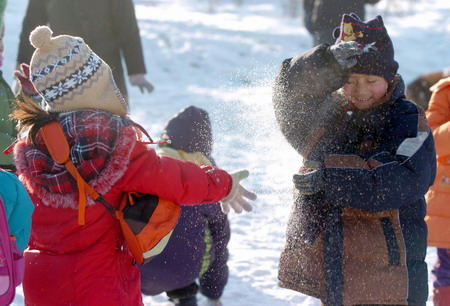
<point x="18" y="206"/>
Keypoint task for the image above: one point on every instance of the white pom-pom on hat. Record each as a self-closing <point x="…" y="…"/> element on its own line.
<point x="40" y="37"/>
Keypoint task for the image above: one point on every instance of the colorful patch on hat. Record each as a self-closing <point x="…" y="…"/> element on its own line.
<point x="369" y="47"/>
<point x="348" y="33"/>
<point x="353" y="32"/>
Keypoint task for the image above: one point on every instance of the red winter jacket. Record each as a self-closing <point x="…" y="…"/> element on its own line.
<point x="69" y="264"/>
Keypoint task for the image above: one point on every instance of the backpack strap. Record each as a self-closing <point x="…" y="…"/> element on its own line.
<point x="59" y="150"/>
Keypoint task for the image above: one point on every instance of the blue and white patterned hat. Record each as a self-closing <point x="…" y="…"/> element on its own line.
<point x="70" y="76"/>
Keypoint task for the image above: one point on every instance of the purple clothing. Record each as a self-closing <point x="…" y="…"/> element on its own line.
<point x="190" y="130"/>
<point x="441" y="269"/>
<point x="190" y="248"/>
<point x="198" y="245"/>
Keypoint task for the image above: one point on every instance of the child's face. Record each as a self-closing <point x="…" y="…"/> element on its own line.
<point x="365" y="91"/>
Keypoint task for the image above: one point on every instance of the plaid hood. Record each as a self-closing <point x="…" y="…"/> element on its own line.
<point x="100" y="147"/>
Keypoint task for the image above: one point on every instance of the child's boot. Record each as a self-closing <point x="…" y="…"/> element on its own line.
<point x="213" y="302"/>
<point x="187" y="301"/>
<point x="186" y="296"/>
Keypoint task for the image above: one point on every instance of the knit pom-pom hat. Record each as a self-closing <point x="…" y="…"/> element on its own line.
<point x="70" y="76"/>
<point x="373" y="39"/>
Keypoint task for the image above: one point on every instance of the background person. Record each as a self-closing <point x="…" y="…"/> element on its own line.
<point x="321" y="17"/>
<point x="109" y="27"/>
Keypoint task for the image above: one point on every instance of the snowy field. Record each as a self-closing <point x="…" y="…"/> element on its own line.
<point x="224" y="61"/>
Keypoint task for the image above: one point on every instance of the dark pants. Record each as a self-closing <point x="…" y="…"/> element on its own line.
<point x="441" y="269"/>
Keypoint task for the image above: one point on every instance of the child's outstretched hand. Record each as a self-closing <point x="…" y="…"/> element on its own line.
<point x="238" y="195"/>
<point x="345" y="53"/>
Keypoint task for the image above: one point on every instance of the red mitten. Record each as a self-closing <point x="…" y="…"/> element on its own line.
<point x="23" y="77"/>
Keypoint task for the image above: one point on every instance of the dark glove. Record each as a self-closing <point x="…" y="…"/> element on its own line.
<point x="141" y="81"/>
<point x="309" y="181"/>
<point x="23" y="77"/>
<point x="345" y="53"/>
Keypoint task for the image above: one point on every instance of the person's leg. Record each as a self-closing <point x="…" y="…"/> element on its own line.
<point x="441" y="284"/>
<point x="186" y="296"/>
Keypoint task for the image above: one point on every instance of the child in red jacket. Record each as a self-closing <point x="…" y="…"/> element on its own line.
<point x="90" y="264"/>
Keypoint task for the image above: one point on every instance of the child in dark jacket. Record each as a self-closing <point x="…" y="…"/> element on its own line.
<point x="356" y="233"/>
<point x="79" y="256"/>
<point x="197" y="248"/>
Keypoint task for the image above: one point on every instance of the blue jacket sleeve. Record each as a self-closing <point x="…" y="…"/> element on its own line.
<point x="18" y="206"/>
<point x="390" y="179"/>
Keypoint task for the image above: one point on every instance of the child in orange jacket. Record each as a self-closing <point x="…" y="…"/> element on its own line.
<point x="438" y="197"/>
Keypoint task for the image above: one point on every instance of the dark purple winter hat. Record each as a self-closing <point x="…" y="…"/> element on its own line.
<point x="373" y="39"/>
<point x="190" y="130"/>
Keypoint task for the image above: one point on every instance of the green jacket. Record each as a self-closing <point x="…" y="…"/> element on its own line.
<point x="3" y="4"/>
<point x="8" y="131"/>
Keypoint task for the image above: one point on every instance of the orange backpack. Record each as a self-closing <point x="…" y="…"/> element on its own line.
<point x="147" y="221"/>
